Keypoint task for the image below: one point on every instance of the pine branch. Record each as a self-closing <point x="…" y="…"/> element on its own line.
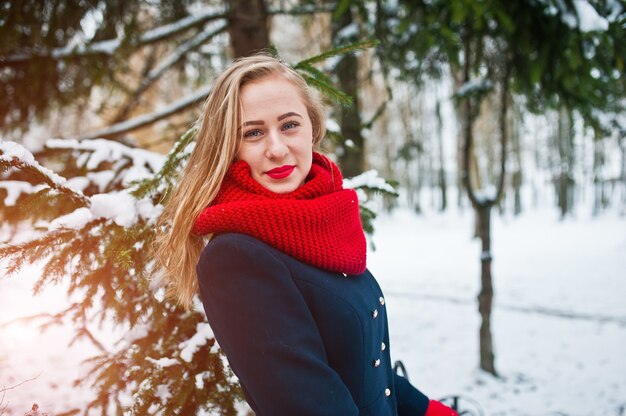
<point x="370" y="181"/>
<point x="342" y="50"/>
<point x="110" y="47"/>
<point x="180" y="151"/>
<point x="147" y="119"/>
<point x="168" y="63"/>
<point x="16" y="156"/>
<point x="314" y="72"/>
<point x="328" y="90"/>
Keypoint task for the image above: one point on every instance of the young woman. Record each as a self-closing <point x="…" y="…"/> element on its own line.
<point x="283" y="278"/>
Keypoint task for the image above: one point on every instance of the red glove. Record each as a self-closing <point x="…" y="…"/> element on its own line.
<point x="436" y="408"/>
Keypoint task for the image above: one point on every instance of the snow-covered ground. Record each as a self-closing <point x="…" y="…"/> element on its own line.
<point x="559" y="320"/>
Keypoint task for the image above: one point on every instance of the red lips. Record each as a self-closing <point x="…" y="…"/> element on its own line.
<point x="280" y="172"/>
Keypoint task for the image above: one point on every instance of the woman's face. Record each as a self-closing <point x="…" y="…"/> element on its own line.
<point x="277" y="135"/>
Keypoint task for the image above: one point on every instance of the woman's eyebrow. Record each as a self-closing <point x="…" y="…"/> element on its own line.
<point x="261" y="122"/>
<point x="253" y="123"/>
<point x="289" y="114"/>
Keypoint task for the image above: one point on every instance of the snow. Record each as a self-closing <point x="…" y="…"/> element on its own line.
<point x="76" y="219"/>
<point x="163" y="362"/>
<point x="12" y="151"/>
<point x="584" y="17"/>
<point x="588" y="18"/>
<point x="200" y="379"/>
<point x="188" y="348"/>
<point x="118" y="206"/>
<point x="474" y="87"/>
<point x="559" y="316"/>
<point x="15" y="188"/>
<point x="102" y="150"/>
<point x="369" y="179"/>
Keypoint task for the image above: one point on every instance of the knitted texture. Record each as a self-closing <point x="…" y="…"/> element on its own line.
<point x="318" y="223"/>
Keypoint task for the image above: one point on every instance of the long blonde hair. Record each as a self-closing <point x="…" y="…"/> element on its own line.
<point x="217" y="142"/>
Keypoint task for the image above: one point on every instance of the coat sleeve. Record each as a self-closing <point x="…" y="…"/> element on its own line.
<point x="411" y="401"/>
<point x="266" y="330"/>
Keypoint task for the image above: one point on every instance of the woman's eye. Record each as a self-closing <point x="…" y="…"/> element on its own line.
<point x="290" y="125"/>
<point x="252" y="134"/>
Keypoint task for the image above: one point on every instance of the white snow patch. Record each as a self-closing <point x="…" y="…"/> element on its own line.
<point x="588" y="18"/>
<point x="369" y="179"/>
<point x="74" y="220"/>
<point x="118" y="206"/>
<point x="16" y="188"/>
<point x="200" y="379"/>
<point x="188" y="348"/>
<point x="163" y="362"/>
<point x="11" y="150"/>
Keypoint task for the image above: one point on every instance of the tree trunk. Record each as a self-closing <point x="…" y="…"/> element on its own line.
<point x="566" y="157"/>
<point x="482" y="205"/>
<point x="352" y="160"/>
<point x="622" y="148"/>
<point x="248" y="26"/>
<point x="441" y="174"/>
<point x="485" y="297"/>
<point x="598" y="179"/>
<point x="517" y="173"/>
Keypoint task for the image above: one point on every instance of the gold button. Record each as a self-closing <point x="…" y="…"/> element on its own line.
<point x="387" y="392"/>
<point x="376" y="363"/>
<point x="383" y="347"/>
<point x="374" y="313"/>
<point x="381" y="300"/>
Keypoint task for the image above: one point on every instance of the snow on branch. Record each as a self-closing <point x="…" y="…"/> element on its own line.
<point x="17" y="156"/>
<point x="203" y="334"/>
<point x="121" y="207"/>
<point x="102" y="150"/>
<point x="305" y="9"/>
<point x="147" y="119"/>
<point x="476" y="87"/>
<point x="16" y="188"/>
<point x="109" y="47"/>
<point x="370" y="180"/>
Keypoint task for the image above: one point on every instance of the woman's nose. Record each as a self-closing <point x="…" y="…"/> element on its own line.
<point x="276" y="147"/>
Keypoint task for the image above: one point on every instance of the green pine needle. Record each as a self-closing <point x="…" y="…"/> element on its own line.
<point x="329" y="91"/>
<point x="342" y="50"/>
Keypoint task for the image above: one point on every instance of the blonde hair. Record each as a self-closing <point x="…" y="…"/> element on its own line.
<point x="218" y="138"/>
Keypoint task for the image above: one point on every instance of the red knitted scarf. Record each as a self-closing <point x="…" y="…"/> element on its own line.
<point x="318" y="223"/>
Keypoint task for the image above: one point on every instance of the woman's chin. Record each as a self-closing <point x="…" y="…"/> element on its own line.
<point x="282" y="186"/>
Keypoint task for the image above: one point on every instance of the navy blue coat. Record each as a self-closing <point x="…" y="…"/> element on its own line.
<point x="303" y="341"/>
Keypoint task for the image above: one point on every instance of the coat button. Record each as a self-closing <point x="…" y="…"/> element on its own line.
<point x="381" y="300"/>
<point x="387" y="392"/>
<point x="374" y="313"/>
<point x="376" y="363"/>
<point x="383" y="347"/>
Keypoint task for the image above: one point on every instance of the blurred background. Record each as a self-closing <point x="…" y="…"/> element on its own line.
<point x="500" y="126"/>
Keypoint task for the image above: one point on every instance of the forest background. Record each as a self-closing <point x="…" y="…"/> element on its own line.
<point x="461" y="103"/>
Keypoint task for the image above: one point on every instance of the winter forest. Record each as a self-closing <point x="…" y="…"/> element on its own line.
<point x="486" y="141"/>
